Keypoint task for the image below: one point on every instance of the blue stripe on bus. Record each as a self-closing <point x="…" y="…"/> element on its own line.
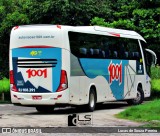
<point x="99" y="67"/>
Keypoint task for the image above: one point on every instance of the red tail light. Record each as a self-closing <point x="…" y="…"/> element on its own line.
<point x="63" y="81"/>
<point x="13" y="87"/>
<point x="11" y="77"/>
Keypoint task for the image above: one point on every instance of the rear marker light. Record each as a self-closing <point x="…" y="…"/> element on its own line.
<point x="63" y="81"/>
<point x="59" y="26"/>
<point x="16" y="27"/>
<point x="59" y="96"/>
<point x="15" y="96"/>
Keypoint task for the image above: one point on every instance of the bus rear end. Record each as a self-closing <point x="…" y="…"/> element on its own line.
<point x="37" y="75"/>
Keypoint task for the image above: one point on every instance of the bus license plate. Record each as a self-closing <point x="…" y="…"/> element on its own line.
<point x="36" y="97"/>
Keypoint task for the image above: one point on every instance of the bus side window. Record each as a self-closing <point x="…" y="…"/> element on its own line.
<point x="102" y="54"/>
<point x="133" y="49"/>
<point x="115" y="54"/>
<point x="90" y="53"/>
<point x="136" y="56"/>
<point x="126" y="55"/>
<point x="96" y="53"/>
<point x="83" y="52"/>
<point x="121" y="51"/>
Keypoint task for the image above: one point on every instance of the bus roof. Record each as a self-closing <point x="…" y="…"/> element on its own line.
<point x="107" y="31"/>
<point x="89" y="29"/>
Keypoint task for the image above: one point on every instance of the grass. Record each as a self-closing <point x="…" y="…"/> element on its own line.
<point x="155" y="82"/>
<point x="155" y="72"/>
<point x="155" y="93"/>
<point x="4" y="85"/>
<point x="147" y="112"/>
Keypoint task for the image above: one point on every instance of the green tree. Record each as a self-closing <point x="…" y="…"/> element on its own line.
<point x="141" y="16"/>
<point x="65" y="12"/>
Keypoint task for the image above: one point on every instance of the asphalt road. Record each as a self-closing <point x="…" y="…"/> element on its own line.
<point x="16" y="116"/>
<point x="57" y="121"/>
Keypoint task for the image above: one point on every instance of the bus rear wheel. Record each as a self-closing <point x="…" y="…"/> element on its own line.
<point x="92" y="101"/>
<point x="45" y="109"/>
<point x="139" y="99"/>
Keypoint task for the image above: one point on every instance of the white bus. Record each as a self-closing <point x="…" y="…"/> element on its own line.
<point x="52" y="65"/>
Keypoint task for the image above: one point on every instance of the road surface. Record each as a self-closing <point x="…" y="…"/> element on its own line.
<point x="16" y="116"/>
<point x="102" y="117"/>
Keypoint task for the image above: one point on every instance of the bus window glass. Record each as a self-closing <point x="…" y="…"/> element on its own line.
<point x="104" y="47"/>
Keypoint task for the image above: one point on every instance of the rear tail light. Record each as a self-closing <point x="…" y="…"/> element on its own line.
<point x="11" y="77"/>
<point x="13" y="87"/>
<point x="63" y="81"/>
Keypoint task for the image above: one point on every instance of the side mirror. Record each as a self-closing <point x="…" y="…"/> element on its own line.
<point x="154" y="56"/>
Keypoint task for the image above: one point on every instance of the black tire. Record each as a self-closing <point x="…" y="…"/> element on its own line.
<point x="92" y="101"/>
<point x="45" y="109"/>
<point x="139" y="99"/>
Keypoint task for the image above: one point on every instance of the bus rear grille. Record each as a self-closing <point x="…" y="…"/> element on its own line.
<point x="36" y="63"/>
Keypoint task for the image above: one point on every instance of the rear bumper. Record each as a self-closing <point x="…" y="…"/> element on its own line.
<point x="47" y="98"/>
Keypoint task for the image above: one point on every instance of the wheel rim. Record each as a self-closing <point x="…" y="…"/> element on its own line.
<point x="92" y="101"/>
<point x="138" y="98"/>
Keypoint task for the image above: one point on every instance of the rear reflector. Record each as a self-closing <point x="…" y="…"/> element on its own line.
<point x="63" y="81"/>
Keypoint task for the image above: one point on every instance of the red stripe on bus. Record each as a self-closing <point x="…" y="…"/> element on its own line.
<point x="39" y="46"/>
<point x="115" y="34"/>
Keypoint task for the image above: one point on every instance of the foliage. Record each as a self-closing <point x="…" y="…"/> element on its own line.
<point x="141" y="16"/>
<point x="155" y="72"/>
<point x="148" y="111"/>
<point x="155" y="82"/>
<point x="4" y="85"/>
<point x="65" y="12"/>
<point x="155" y="90"/>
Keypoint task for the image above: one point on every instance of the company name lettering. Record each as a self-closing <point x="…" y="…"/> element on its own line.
<point x="115" y="72"/>
<point x="33" y="73"/>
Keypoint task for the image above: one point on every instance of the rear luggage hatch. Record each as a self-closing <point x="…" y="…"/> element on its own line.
<point x="36" y="70"/>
